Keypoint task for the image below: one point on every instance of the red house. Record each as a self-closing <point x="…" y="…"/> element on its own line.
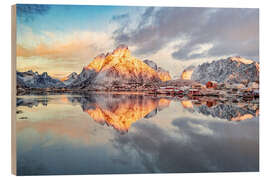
<point x="211" y="84"/>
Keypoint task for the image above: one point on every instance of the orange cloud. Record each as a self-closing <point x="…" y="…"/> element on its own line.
<point x="69" y="50"/>
<point x="59" y="53"/>
<point x="69" y="46"/>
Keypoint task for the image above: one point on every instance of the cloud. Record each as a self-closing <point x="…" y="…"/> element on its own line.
<point x="60" y="51"/>
<point x="195" y="146"/>
<point x="70" y="46"/>
<point x="230" y="31"/>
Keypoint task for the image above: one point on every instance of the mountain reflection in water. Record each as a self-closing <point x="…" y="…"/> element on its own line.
<point x="67" y="134"/>
<point x="229" y="111"/>
<point x="120" y="111"/>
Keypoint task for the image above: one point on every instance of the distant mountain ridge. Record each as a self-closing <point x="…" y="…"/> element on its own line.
<point x="35" y="80"/>
<point x="119" y="69"/>
<point x="70" y="78"/>
<point x="231" y="70"/>
<point x="116" y="68"/>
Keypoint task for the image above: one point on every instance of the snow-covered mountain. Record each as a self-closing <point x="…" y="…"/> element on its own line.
<point x="34" y="80"/>
<point x="118" y="67"/>
<point x="162" y="73"/>
<point x="230" y="70"/>
<point x="70" y="78"/>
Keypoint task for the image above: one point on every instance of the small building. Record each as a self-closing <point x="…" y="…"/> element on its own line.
<point x="210" y="103"/>
<point x="211" y="84"/>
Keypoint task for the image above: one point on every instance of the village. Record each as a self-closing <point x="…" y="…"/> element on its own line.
<point x="191" y="89"/>
<point x="222" y="91"/>
<point x="173" y="88"/>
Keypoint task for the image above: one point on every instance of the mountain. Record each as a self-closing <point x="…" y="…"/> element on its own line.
<point x="70" y="78"/>
<point x="84" y="79"/>
<point x="32" y="79"/>
<point x="150" y="63"/>
<point x="118" y="68"/>
<point x="230" y="70"/>
<point x="186" y="74"/>
<point x="162" y="73"/>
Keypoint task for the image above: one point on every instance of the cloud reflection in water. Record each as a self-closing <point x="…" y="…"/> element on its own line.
<point x="176" y="139"/>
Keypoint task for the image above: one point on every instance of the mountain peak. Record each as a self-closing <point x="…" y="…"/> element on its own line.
<point x="187" y="72"/>
<point x="121" y="47"/>
<point x="150" y="63"/>
<point x="241" y="60"/>
<point x="97" y="63"/>
<point x="44" y="74"/>
<point x="162" y="73"/>
<point x="72" y="75"/>
<point x="119" y="54"/>
<point x="230" y="70"/>
<point x="121" y="51"/>
<point x="100" y="56"/>
<point x="34" y="80"/>
<point x="120" y="66"/>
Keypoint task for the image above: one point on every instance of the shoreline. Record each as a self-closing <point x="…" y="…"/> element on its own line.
<point x="215" y="95"/>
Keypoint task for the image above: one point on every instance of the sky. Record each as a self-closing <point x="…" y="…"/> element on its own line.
<point x="61" y="39"/>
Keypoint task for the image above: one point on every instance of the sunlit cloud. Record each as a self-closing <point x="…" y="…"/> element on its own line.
<point x="198" y="35"/>
<point x="70" y="46"/>
<point x="60" y="50"/>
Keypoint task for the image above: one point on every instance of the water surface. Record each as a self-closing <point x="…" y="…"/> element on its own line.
<point x="96" y="134"/>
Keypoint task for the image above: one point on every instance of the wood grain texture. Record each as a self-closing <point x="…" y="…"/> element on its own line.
<point x="13" y="91"/>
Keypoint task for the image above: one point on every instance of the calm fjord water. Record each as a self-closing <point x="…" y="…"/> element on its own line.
<point x="96" y="134"/>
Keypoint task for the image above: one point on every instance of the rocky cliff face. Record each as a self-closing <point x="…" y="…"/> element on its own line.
<point x="162" y="73"/>
<point x="230" y="70"/>
<point x="116" y="68"/>
<point x="32" y="79"/>
<point x="70" y="78"/>
<point x="152" y="64"/>
<point x="84" y="79"/>
<point x="186" y="74"/>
